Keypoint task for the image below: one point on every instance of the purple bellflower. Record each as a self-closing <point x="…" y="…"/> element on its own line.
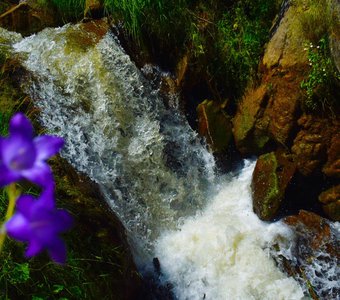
<point x="38" y="222"/>
<point x="23" y="156"/>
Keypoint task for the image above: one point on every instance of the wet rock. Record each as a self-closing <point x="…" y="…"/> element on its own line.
<point x="272" y="175"/>
<point x="214" y="124"/>
<point x="313" y="258"/>
<point x="311" y="144"/>
<point x="28" y="18"/>
<point x="331" y="202"/>
<point x="332" y="166"/>
<point x="250" y="124"/>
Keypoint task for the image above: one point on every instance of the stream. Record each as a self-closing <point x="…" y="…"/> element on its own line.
<point x="157" y="175"/>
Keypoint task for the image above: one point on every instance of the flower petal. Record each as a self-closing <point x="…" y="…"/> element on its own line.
<point x="33" y="248"/>
<point x="65" y="221"/>
<point x="24" y="205"/>
<point x="18" y="152"/>
<point x="20" y="125"/>
<point x="7" y="176"/>
<point x="48" y="146"/>
<point x="40" y="174"/>
<point x="18" y="228"/>
<point x="57" y="251"/>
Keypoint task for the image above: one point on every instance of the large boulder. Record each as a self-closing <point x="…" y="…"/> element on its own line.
<point x="285" y="48"/>
<point x="312" y="143"/>
<point x="272" y="175"/>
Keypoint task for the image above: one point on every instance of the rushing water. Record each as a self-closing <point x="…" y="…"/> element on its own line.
<point x="155" y="173"/>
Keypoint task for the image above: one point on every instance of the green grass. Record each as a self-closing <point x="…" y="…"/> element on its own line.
<point x="4" y="120"/>
<point x="242" y="33"/>
<point x="316" y="19"/>
<point x="93" y="270"/>
<point x="70" y="9"/>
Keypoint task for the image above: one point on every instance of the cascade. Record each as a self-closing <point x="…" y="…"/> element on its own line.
<point x="154" y="171"/>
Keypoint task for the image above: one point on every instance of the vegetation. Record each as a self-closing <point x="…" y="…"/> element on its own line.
<point x="96" y="266"/>
<point x="242" y="32"/>
<point x="320" y="83"/>
<point x="316" y="20"/>
<point x="69" y="9"/>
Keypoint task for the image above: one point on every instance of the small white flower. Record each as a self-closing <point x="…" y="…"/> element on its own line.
<point x="318" y="47"/>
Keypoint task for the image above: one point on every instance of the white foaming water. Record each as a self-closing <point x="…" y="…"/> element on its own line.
<point x="223" y="252"/>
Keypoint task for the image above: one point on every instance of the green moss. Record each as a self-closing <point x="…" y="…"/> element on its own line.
<point x="267" y="193"/>
<point x="214" y="124"/>
<point x="273" y="190"/>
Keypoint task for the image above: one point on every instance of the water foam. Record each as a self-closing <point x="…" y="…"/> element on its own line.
<point x="223" y="252"/>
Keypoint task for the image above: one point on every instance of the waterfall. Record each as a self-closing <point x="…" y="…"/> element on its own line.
<point x="154" y="171"/>
<point x="150" y="165"/>
<point x="223" y="252"/>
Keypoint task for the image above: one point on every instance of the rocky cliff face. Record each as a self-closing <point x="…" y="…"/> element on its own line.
<point x="272" y="116"/>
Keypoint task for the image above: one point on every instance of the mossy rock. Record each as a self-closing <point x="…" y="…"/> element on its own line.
<point x="214" y="124"/>
<point x="250" y="124"/>
<point x="273" y="173"/>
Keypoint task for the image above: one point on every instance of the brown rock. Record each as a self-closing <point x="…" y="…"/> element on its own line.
<point x="332" y="167"/>
<point x="311" y="144"/>
<point x="331" y="202"/>
<point x="285" y="49"/>
<point x="285" y="103"/>
<point x="272" y="175"/>
<point x="249" y="124"/>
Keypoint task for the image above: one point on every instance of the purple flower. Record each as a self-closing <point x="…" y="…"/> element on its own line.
<point x="23" y="156"/>
<point x="38" y="222"/>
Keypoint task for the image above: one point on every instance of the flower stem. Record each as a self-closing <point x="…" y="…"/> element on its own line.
<point x="13" y="195"/>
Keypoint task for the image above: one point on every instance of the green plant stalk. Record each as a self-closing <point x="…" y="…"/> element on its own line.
<point x="13" y="195"/>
